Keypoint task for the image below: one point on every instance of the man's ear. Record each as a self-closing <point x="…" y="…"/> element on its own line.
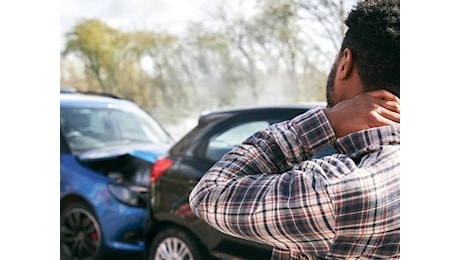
<point x="345" y="65"/>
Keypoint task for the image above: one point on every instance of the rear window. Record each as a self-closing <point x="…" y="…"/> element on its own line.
<point x="225" y="141"/>
<point x="90" y="128"/>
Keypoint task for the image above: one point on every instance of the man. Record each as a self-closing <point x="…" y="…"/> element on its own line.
<point x="343" y="206"/>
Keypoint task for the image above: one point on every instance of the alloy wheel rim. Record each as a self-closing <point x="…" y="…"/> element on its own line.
<point x="80" y="234"/>
<point x="173" y="249"/>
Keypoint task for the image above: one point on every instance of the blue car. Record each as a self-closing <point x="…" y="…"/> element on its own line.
<point x="108" y="146"/>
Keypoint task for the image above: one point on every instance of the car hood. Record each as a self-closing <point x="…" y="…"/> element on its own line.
<point x="147" y="152"/>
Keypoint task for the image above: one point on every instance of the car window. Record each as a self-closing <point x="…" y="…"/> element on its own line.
<point x="223" y="142"/>
<point x="89" y="128"/>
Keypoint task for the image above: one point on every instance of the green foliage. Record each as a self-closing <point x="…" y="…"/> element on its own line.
<point x="263" y="59"/>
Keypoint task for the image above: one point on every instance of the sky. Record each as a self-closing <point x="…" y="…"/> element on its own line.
<point x="129" y="14"/>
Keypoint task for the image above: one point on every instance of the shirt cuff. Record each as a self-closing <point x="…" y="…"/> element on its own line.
<point x="314" y="130"/>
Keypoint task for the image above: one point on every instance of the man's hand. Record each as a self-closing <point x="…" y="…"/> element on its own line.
<point x="367" y="110"/>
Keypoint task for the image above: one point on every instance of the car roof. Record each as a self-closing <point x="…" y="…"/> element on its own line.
<point x="90" y="99"/>
<point x="207" y="116"/>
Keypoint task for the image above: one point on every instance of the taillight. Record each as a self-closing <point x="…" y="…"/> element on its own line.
<point x="159" y="167"/>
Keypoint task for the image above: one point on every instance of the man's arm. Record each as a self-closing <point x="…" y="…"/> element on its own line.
<point x="256" y="192"/>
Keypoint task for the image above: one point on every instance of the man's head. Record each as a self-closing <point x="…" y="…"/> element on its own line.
<point x="369" y="56"/>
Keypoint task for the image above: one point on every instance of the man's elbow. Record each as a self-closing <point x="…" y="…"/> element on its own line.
<point x="194" y="201"/>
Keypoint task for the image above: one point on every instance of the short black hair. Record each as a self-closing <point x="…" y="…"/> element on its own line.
<point x="373" y="39"/>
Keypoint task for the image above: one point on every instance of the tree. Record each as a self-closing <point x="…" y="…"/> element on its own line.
<point x="265" y="53"/>
<point x="323" y="21"/>
<point x="96" y="44"/>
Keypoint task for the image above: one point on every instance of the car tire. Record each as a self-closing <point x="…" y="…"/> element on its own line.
<point x="81" y="236"/>
<point x="175" y="243"/>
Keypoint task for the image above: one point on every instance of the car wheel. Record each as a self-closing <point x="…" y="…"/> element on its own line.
<point x="80" y="233"/>
<point x="174" y="243"/>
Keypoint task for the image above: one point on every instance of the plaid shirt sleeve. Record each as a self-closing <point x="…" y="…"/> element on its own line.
<point x="241" y="196"/>
<point x="269" y="190"/>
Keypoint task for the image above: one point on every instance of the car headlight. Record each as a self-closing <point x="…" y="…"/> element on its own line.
<point x="132" y="195"/>
<point x="142" y="176"/>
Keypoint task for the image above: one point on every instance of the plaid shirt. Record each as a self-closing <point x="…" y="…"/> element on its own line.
<point x="344" y="206"/>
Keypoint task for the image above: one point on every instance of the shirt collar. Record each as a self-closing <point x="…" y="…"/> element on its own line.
<point x="367" y="141"/>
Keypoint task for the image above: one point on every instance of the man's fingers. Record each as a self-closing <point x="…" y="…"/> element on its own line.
<point x="386" y="99"/>
<point x="387" y="116"/>
<point x="384" y="94"/>
<point x="390" y="105"/>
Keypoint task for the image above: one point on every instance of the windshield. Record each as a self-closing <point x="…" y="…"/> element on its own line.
<point x="90" y="128"/>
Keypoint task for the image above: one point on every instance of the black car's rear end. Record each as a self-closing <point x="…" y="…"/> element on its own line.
<point x="170" y="224"/>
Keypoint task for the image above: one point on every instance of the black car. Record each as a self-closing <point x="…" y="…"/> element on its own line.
<point x="171" y="230"/>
